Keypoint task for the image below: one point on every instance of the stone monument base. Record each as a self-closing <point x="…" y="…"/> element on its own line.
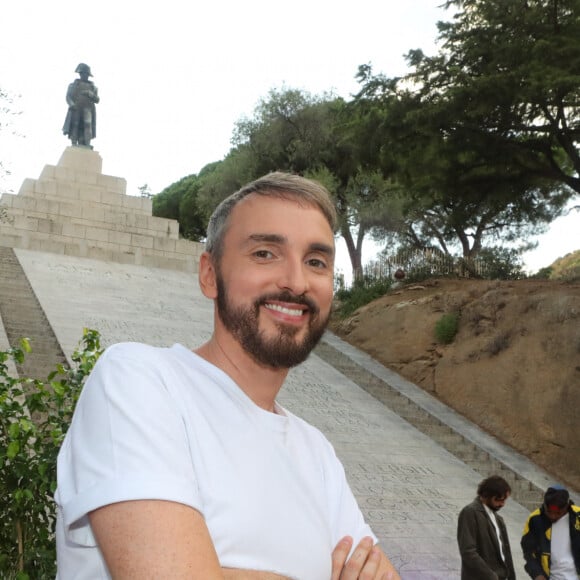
<point x="75" y="209"/>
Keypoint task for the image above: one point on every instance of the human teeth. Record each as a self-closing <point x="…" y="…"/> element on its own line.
<point x="289" y="311"/>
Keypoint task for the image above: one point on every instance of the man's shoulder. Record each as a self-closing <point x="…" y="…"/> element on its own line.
<point x="535" y="515"/>
<point x="131" y="349"/>
<point x="139" y="352"/>
<point x="474" y="505"/>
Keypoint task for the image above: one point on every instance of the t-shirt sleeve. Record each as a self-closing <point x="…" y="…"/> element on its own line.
<point x="127" y="441"/>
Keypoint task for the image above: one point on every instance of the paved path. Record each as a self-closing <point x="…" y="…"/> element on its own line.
<point x="410" y="488"/>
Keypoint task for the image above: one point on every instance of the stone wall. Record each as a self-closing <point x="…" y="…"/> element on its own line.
<point x="74" y="209"/>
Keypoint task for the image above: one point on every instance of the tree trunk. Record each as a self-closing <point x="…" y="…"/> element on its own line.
<point x="354" y="252"/>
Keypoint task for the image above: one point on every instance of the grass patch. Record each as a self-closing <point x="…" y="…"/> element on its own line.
<point x="446" y="328"/>
<point x="363" y="291"/>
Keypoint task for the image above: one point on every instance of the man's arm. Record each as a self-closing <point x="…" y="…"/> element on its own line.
<point x="530" y="549"/>
<point x="151" y="539"/>
<point x="467" y="525"/>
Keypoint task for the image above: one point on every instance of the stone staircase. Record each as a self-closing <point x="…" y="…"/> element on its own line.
<point x="23" y="317"/>
<point x="524" y="491"/>
<point x="75" y="209"/>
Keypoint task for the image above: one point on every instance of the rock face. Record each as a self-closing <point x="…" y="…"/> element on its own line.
<point x="513" y="367"/>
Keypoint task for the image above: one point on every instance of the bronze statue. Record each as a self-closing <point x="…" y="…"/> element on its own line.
<point x="81" y="120"/>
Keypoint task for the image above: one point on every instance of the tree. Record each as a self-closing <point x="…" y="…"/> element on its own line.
<point x="513" y="67"/>
<point x="179" y="202"/>
<point x="294" y="131"/>
<point x="222" y="178"/>
<point x="145" y="191"/>
<point x="484" y="135"/>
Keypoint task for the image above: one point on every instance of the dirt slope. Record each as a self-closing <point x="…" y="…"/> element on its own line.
<point x="513" y="368"/>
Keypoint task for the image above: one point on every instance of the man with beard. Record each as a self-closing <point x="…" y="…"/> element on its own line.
<point x="182" y="464"/>
<point x="482" y="535"/>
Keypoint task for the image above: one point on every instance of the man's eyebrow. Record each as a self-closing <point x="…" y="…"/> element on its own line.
<point x="278" y="239"/>
<point x="272" y="238"/>
<point x="323" y="249"/>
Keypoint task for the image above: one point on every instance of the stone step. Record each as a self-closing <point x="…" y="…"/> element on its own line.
<point x="524" y="491"/>
<point x="181" y="255"/>
<point x="73" y="209"/>
<point x="51" y="216"/>
<point x="23" y="316"/>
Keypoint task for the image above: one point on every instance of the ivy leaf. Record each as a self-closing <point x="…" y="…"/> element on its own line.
<point x="25" y="344"/>
<point x="13" y="449"/>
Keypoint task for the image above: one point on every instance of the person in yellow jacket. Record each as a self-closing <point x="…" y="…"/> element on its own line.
<point x="551" y="538"/>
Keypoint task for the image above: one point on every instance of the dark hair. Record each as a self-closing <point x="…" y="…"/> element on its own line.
<point x="494" y="486"/>
<point x="558" y="496"/>
<point x="277" y="184"/>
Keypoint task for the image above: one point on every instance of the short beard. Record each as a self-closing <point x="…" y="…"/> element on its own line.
<point x="278" y="352"/>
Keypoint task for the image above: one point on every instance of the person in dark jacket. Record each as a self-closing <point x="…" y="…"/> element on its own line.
<point x="482" y="535"/>
<point x="551" y="538"/>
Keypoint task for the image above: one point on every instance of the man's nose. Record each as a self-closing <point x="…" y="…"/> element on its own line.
<point x="293" y="277"/>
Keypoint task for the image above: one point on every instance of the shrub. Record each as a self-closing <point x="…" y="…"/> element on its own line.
<point x="446" y="327"/>
<point x="543" y="273"/>
<point x="34" y="418"/>
<point x="364" y="290"/>
<point x="501" y="263"/>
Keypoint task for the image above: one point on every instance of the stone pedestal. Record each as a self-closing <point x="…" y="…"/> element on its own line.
<point x="74" y="209"/>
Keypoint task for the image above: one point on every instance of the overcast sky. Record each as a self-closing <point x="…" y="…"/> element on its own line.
<point x="174" y="76"/>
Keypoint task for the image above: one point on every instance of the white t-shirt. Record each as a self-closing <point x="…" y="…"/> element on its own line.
<point x="163" y="423"/>
<point x="562" y="565"/>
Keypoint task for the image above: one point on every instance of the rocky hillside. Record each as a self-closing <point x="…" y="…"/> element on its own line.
<point x="513" y="367"/>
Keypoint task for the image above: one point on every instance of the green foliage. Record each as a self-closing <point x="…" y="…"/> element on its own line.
<point x="145" y="191"/>
<point x="499" y="263"/>
<point x="567" y="267"/>
<point x="484" y="136"/>
<point x="34" y="418"/>
<point x="180" y="202"/>
<point x="543" y="273"/>
<point x="221" y="179"/>
<point x="364" y="290"/>
<point x="491" y="264"/>
<point x="446" y="327"/>
<point x="319" y="137"/>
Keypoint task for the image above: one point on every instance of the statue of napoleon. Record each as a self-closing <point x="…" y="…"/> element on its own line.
<point x="81" y="120"/>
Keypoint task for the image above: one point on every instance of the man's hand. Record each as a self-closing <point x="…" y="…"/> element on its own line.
<point x="368" y="562"/>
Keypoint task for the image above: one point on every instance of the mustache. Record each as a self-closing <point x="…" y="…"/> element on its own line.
<point x="288" y="297"/>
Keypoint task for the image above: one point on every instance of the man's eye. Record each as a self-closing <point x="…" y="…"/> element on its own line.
<point x="263" y="254"/>
<point x="316" y="263"/>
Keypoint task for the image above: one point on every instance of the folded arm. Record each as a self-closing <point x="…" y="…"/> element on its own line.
<point x="150" y="539"/>
<point x="367" y="562"/>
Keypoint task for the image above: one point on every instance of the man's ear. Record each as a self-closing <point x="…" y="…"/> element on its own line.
<point x="207" y="276"/>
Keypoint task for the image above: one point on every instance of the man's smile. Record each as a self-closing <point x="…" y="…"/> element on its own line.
<point x="285" y="309"/>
